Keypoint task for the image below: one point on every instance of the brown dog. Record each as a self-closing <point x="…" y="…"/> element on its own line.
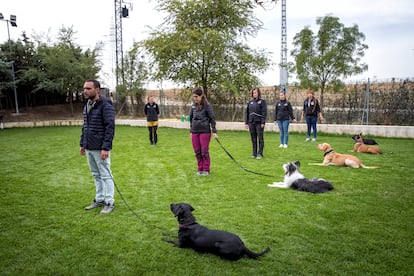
<point x="361" y="147"/>
<point x="337" y="159"/>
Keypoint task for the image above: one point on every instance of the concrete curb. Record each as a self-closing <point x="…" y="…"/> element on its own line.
<point x="372" y="130"/>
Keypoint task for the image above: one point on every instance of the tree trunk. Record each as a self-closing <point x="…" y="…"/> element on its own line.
<point x="71" y="103"/>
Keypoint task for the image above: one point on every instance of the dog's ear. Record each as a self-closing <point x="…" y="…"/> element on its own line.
<point x="297" y="163"/>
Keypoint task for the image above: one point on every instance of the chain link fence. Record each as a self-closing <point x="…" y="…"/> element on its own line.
<point x="389" y="102"/>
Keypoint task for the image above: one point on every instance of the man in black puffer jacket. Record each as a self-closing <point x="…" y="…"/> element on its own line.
<point x="96" y="143"/>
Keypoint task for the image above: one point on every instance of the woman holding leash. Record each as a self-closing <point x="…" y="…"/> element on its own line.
<point x="256" y="113"/>
<point x="202" y="127"/>
<point x="283" y="114"/>
<point x="311" y="109"/>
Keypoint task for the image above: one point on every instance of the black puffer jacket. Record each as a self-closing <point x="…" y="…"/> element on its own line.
<point x="98" y="126"/>
<point x="202" y="121"/>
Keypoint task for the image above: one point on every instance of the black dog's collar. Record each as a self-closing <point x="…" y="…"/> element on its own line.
<point x="186" y="224"/>
<point x="328" y="152"/>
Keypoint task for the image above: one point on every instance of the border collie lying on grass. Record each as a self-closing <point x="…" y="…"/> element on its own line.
<point x="295" y="180"/>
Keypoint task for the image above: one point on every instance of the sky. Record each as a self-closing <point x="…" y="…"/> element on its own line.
<point x="388" y="26"/>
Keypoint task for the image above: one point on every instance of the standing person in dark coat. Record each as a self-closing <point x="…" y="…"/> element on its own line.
<point x="96" y="143"/>
<point x="311" y="110"/>
<point x="283" y="115"/>
<point x="152" y="111"/>
<point x="256" y="113"/>
<point x="202" y="127"/>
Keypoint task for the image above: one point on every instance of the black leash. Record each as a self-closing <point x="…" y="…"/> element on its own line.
<point x="162" y="228"/>
<point x="133" y="212"/>
<point x="238" y="164"/>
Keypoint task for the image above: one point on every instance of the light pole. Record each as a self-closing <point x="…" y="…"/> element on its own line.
<point x="12" y="21"/>
<point x="120" y="12"/>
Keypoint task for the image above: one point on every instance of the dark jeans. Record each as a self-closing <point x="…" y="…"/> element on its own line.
<point x="256" y="131"/>
<point x="311" y="122"/>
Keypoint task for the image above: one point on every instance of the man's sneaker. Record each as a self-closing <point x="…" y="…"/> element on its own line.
<point x="307" y="139"/>
<point x="95" y="205"/>
<point x="281" y="146"/>
<point x="313" y="140"/>
<point x="259" y="156"/>
<point x="252" y="156"/>
<point x="107" y="209"/>
<point x="285" y="146"/>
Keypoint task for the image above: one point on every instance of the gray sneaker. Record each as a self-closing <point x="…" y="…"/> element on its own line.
<point x="95" y="205"/>
<point x="108" y="208"/>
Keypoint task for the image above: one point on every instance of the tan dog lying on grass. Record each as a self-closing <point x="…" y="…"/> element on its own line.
<point x="361" y="147"/>
<point x="338" y="159"/>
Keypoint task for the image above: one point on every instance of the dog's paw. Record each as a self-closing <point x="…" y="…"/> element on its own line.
<point x="169" y="235"/>
<point x="170" y="241"/>
<point x="276" y="185"/>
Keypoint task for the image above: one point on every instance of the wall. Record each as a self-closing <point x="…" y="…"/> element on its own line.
<point x="372" y="130"/>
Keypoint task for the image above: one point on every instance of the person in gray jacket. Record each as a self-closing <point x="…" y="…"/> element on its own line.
<point x="96" y="143"/>
<point x="256" y="113"/>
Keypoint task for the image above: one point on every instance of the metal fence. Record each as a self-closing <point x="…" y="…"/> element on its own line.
<point x="377" y="103"/>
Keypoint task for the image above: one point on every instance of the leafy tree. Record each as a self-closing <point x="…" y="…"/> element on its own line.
<point x="136" y="73"/>
<point x="201" y="44"/>
<point x="7" y="62"/>
<point x="5" y="76"/>
<point x="22" y="56"/>
<point x="63" y="67"/>
<point x="46" y="70"/>
<point x="26" y="58"/>
<point x="135" y="76"/>
<point x="323" y="59"/>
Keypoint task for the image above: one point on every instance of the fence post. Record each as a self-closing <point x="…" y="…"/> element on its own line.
<point x="365" y="109"/>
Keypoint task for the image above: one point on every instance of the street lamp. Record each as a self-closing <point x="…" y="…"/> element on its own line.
<point x="12" y="22"/>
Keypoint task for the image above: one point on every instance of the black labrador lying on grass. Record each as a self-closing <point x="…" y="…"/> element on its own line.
<point x="201" y="239"/>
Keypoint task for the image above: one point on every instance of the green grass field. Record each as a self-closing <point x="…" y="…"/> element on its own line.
<point x="365" y="226"/>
